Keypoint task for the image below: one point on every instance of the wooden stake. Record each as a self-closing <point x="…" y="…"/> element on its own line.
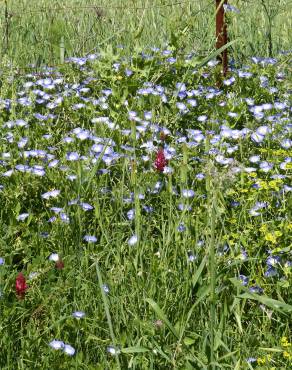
<point x="221" y="34"/>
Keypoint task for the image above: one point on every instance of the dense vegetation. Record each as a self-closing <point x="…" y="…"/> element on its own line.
<point x="145" y="212"/>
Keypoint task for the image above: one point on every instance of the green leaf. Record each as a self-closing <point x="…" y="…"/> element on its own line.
<point x="238" y="365"/>
<point x="278" y="350"/>
<point x="162" y="316"/>
<point x="135" y="349"/>
<point x="272" y="303"/>
<point x="214" y="54"/>
<point x="238" y="320"/>
<point x="139" y="32"/>
<point x="189" y="341"/>
<point x="199" y="271"/>
<point x="173" y="40"/>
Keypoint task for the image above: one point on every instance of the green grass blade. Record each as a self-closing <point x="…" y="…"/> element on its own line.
<point x="272" y="303"/>
<point x="135" y="350"/>
<point x="162" y="316"/>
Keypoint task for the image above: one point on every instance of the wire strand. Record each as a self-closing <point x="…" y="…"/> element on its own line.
<point x="96" y="7"/>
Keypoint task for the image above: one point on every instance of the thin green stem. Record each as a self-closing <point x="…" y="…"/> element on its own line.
<point x="107" y="311"/>
<point x="211" y="210"/>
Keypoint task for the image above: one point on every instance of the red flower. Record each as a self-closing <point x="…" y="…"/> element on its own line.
<point x="20" y="285"/>
<point x="160" y="160"/>
<point x="59" y="265"/>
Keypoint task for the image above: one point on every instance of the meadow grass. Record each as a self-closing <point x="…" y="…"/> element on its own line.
<point x="182" y="266"/>
<point x="33" y="31"/>
<point x="145" y="199"/>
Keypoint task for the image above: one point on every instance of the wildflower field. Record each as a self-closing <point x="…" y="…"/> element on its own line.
<point x="145" y="213"/>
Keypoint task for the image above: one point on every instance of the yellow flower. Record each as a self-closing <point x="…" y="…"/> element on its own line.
<point x="278" y="234"/>
<point x="284" y="342"/>
<point x="274" y="185"/>
<point x="269" y="358"/>
<point x="261" y="361"/>
<point x="287" y="355"/>
<point x="271" y="238"/>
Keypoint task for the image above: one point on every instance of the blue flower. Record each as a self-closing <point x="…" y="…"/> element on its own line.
<point x="78" y="314"/>
<point x="131" y="214"/>
<point x="54" y="257"/>
<point x="22" y="216"/>
<point x="188" y="193"/>
<point x="86" y="206"/>
<point x="181" y="228"/>
<point x="105" y="288"/>
<point x="64" y="217"/>
<point x="57" y="344"/>
<point x="90" y="238"/>
<point x="72" y="156"/>
<point x="51" y="194"/>
<point x="69" y="350"/>
<point x="271" y="272"/>
<point x="230" y="81"/>
<point x="257" y="138"/>
<point x="244" y="280"/>
<point x="273" y="261"/>
<point x="230" y="8"/>
<point x="256" y="289"/>
<point x="133" y="240"/>
<point x="113" y="350"/>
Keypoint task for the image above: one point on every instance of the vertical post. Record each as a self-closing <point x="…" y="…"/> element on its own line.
<point x="221" y="34"/>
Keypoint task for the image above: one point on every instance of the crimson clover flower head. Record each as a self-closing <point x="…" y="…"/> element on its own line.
<point x="20" y="285"/>
<point x="160" y="160"/>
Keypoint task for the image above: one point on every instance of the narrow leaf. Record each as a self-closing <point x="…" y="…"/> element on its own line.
<point x="162" y="316"/>
<point x="135" y="349"/>
<point x="199" y="271"/>
<point x="215" y="54"/>
<point x="272" y="303"/>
